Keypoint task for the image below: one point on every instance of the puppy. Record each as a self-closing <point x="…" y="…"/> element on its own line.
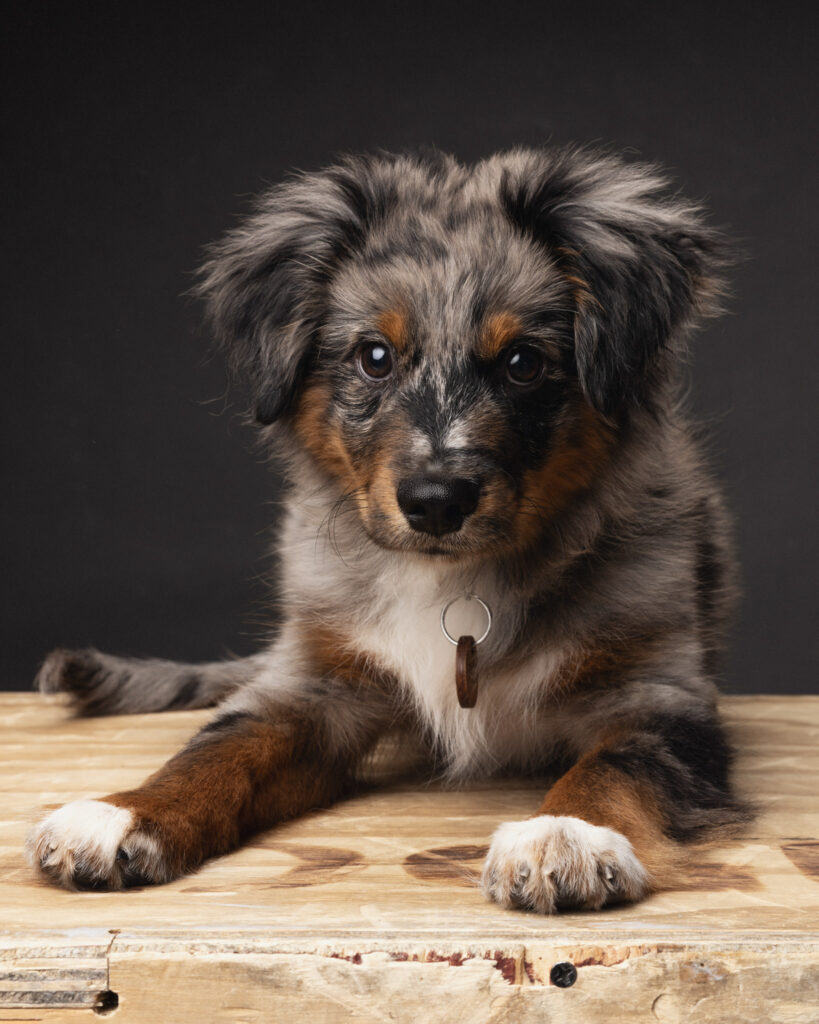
<point x="470" y="376"/>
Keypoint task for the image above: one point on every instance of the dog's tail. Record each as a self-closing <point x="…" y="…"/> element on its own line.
<point x="101" y="684"/>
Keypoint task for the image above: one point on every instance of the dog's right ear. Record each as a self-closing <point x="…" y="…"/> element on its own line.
<point x="265" y="283"/>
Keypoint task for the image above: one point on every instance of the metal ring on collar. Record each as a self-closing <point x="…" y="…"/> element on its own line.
<point x="466" y="597"/>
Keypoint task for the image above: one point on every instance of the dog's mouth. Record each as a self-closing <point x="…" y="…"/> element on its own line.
<point x="454" y="547"/>
<point x="442" y="517"/>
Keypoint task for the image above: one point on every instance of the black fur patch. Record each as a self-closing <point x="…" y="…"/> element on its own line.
<point x="186" y="694"/>
<point x="687" y="761"/>
<point x="226" y="723"/>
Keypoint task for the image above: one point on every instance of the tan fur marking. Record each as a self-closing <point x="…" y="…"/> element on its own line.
<point x="314" y="426"/>
<point x="394" y="325"/>
<point x="333" y="655"/>
<point x="382" y="491"/>
<point x="212" y="795"/>
<point x="581" y="290"/>
<point x="599" y="794"/>
<point x="580" y="449"/>
<point x="599" y="666"/>
<point x="371" y="486"/>
<point x="499" y="331"/>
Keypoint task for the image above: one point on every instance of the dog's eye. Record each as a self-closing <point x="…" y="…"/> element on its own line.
<point x="375" y="360"/>
<point x="524" y="365"/>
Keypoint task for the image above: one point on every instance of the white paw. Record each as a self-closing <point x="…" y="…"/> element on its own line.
<point x="549" y="863"/>
<point x="91" y="844"/>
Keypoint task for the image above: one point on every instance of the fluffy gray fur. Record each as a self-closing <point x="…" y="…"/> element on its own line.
<point x="607" y="270"/>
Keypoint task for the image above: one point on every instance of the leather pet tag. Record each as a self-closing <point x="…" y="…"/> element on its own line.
<point x="466" y="671"/>
<point x="466" y="653"/>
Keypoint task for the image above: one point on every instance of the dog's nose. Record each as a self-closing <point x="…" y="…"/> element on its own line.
<point x="437" y="506"/>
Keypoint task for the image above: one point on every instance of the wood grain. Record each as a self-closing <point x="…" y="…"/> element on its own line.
<point x="369" y="911"/>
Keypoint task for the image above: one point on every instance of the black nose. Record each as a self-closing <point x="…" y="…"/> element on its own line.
<point x="437" y="506"/>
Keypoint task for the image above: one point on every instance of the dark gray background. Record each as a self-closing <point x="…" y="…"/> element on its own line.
<point x="135" y="515"/>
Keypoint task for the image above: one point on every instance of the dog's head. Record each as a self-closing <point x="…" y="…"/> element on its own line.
<point x="459" y="347"/>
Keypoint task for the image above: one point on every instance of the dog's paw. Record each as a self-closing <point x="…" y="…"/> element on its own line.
<point x="91" y="844"/>
<point x="549" y="863"/>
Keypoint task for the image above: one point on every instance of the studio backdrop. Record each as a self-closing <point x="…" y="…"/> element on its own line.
<point x="136" y="515"/>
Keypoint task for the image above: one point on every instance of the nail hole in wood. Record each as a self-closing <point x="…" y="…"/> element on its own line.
<point x="105" y="1003"/>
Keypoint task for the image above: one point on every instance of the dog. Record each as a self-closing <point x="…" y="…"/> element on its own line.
<point x="471" y="376"/>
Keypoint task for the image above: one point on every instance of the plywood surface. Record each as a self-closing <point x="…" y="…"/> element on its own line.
<point x="343" y="914"/>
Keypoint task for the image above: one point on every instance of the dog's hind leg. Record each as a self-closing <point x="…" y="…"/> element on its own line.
<point x="101" y="684"/>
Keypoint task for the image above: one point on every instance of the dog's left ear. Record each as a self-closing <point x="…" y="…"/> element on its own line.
<point x="265" y="283"/>
<point x="642" y="265"/>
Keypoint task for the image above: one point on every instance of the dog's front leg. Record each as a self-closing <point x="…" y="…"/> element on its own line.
<point x="261" y="762"/>
<point x="610" y="828"/>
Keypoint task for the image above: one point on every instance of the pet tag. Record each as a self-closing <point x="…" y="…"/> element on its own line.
<point x="466" y="671"/>
<point x="466" y="654"/>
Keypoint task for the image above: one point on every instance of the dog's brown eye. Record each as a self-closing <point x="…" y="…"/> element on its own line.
<point x="524" y="365"/>
<point x="375" y="360"/>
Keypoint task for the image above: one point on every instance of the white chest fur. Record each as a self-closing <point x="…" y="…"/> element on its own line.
<point x="402" y="631"/>
<point x="389" y="605"/>
<point x="402" y="628"/>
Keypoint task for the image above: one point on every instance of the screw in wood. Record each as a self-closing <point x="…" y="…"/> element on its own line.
<point x="564" y="974"/>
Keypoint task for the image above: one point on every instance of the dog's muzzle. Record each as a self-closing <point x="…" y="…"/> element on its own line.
<point x="437" y="506"/>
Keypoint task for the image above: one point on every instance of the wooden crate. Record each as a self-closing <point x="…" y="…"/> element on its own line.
<point x="369" y="912"/>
